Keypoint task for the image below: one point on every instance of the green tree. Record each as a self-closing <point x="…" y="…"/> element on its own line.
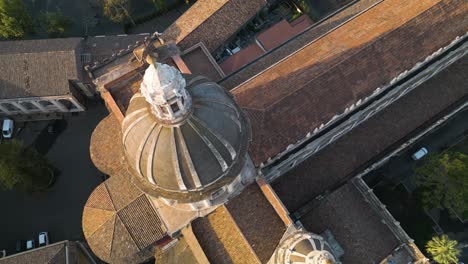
<point x="443" y="180"/>
<point x="15" y="21"/>
<point x="55" y="23"/>
<point x="443" y="250"/>
<point x="23" y="168"/>
<point x="117" y="10"/>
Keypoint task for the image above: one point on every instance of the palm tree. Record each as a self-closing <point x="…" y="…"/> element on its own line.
<point x="443" y="250"/>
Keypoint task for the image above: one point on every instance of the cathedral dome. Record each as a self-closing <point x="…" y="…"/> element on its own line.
<point x="185" y="138"/>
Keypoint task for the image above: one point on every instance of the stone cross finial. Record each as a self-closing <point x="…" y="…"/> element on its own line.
<point x="163" y="87"/>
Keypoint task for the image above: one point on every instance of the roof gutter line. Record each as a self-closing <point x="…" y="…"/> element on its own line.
<point x="66" y="254"/>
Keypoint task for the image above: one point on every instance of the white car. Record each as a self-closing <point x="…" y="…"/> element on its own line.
<point x="30" y="244"/>
<point x="7" y="130"/>
<point x="419" y="154"/>
<point x="43" y="239"/>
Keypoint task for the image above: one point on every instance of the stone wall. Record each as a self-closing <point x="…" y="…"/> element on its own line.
<point x="40" y="105"/>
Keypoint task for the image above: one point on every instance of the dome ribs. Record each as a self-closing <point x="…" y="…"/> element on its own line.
<point x="176" y="162"/>
<point x="234" y="119"/>
<point x="187" y="157"/>
<point x="210" y="145"/>
<point x="149" y="162"/>
<point x="142" y="145"/>
<point x="214" y="101"/>
<point x="132" y="115"/>
<point x="226" y="144"/>
<point x="188" y="160"/>
<point x="132" y="125"/>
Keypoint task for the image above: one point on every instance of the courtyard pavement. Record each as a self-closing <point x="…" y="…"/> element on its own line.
<point x="59" y="210"/>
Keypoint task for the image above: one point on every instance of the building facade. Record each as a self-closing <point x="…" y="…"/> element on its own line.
<point x="41" y="77"/>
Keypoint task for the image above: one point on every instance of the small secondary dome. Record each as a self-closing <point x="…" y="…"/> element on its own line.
<point x="184" y="137"/>
<point x="304" y="247"/>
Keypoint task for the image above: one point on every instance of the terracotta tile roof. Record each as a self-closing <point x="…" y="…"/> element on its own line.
<point x="51" y="254"/>
<point x="354" y="224"/>
<point x="241" y="58"/>
<point x="120" y="223"/>
<point x="257" y="220"/>
<point x="311" y="34"/>
<point x="103" y="47"/>
<point x="121" y="190"/>
<point x="282" y="31"/>
<point x="346" y="156"/>
<point x="269" y="39"/>
<point x="221" y="239"/>
<point x="309" y="88"/>
<point x="192" y="18"/>
<point x="106" y="149"/>
<point x="277" y="34"/>
<point x="39" y="67"/>
<point x="39" y="45"/>
<point x="201" y="23"/>
<point x="143" y="232"/>
<point x="179" y="253"/>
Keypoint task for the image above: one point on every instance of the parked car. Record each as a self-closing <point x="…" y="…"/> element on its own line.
<point x="20" y="245"/>
<point x="7" y="130"/>
<point x="43" y="239"/>
<point x="30" y="244"/>
<point x="419" y="154"/>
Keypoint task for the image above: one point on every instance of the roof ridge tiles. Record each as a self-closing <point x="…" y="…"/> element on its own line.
<point x="302" y="48"/>
<point x="349" y="57"/>
<point x="292" y="56"/>
<point x="358" y="86"/>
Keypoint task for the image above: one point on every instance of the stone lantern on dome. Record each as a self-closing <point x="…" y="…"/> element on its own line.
<point x="186" y="140"/>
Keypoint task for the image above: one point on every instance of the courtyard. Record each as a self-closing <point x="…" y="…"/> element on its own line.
<point x="88" y="19"/>
<point x="395" y="186"/>
<point x="58" y="210"/>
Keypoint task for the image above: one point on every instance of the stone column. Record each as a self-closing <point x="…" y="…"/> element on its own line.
<point x="59" y="105"/>
<point x="20" y="107"/>
<point x="39" y="106"/>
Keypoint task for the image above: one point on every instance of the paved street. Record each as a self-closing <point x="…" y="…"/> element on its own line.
<point x="59" y="210"/>
<point x="400" y="167"/>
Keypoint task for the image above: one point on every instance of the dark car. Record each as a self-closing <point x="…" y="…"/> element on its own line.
<point x="20" y="245"/>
